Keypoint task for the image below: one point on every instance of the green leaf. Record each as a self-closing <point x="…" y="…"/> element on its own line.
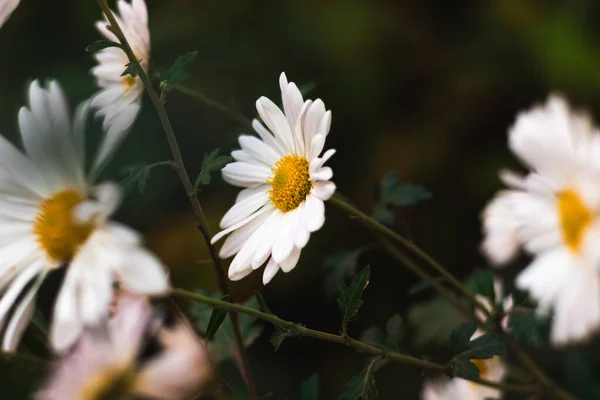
<point x="179" y="71"/>
<point x="220" y="346"/>
<point x="131" y="69"/>
<point x="389" y="192"/>
<point x="309" y="390"/>
<point x="101" y="45"/>
<point x="485" y="346"/>
<point x="526" y="326"/>
<point x="262" y="304"/>
<point x="341" y="263"/>
<point x="424" y="285"/>
<point x="216" y="319"/>
<point x="138" y="174"/>
<point x="384" y="215"/>
<point x="350" y="298"/>
<point x="433" y="320"/>
<point x="394" y="334"/>
<point x="482" y="282"/>
<point x="278" y="337"/>
<point x="211" y="163"/>
<point x="360" y="387"/>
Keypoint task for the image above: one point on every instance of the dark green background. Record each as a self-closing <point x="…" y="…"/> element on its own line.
<point x="427" y="89"/>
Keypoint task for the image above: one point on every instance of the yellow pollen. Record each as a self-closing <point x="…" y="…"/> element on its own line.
<point x="128" y="82"/>
<point x="112" y="383"/>
<point x="56" y="229"/>
<point x="290" y="183"/>
<point x="574" y="218"/>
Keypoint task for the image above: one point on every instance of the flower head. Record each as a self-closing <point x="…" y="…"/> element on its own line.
<point x="285" y="185"/>
<point x="52" y="215"/>
<point x="134" y="354"/>
<point x="119" y="98"/>
<point x="6" y="9"/>
<point x="552" y="214"/>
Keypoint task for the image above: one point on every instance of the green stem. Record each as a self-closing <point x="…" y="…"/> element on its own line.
<point x="384" y="230"/>
<point x="213" y="104"/>
<point x="158" y="103"/>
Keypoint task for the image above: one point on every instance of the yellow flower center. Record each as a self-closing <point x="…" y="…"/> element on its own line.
<point x="291" y="182"/>
<point x="128" y="82"/>
<point x="575" y="217"/>
<point x="481" y="364"/>
<point x="109" y="384"/>
<point x="56" y="229"/>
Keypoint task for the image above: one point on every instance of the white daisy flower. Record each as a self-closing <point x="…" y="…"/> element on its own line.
<point x="51" y="216"/>
<point x="552" y="213"/>
<point x="120" y="97"/>
<point x="6" y="9"/>
<point x="286" y="185"/>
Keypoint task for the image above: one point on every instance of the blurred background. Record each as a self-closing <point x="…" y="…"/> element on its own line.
<point x="425" y="89"/>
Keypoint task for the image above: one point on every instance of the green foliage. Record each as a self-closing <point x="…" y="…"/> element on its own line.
<point x="130" y="69"/>
<point x="525" y="324"/>
<point x="220" y="346"/>
<point x="211" y="163"/>
<point x="138" y="174"/>
<point x="101" y="45"/>
<point x="424" y="285"/>
<point x="389" y="192"/>
<point x="394" y="334"/>
<point x="216" y="319"/>
<point x="179" y="70"/>
<point x="341" y="263"/>
<point x="464" y="349"/>
<point x="309" y="390"/>
<point x="433" y="320"/>
<point x="361" y="386"/>
<point x="350" y="298"/>
<point x="482" y="282"/>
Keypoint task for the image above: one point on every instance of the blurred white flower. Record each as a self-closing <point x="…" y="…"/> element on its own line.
<point x="286" y="185"/>
<point x="6" y="9"/>
<point x="51" y="216"/>
<point x="461" y="389"/>
<point x="119" y="98"/>
<point x="135" y="354"/>
<point x="552" y="213"/>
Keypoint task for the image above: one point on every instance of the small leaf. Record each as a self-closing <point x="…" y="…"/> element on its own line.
<point x="360" y="387"/>
<point x="525" y="325"/>
<point x="211" y="163"/>
<point x="342" y="263"/>
<point x="101" y="45"/>
<point x="482" y="282"/>
<point x="373" y="336"/>
<point x="408" y="194"/>
<point x="485" y="346"/>
<point x="131" y="69"/>
<point x="178" y="72"/>
<point x="395" y="331"/>
<point x="278" y="337"/>
<point x="216" y="319"/>
<point x="309" y="390"/>
<point x="350" y="298"/>
<point x="262" y="304"/>
<point x="384" y="215"/>
<point x="424" y="285"/>
<point x="138" y="174"/>
<point x="389" y="192"/>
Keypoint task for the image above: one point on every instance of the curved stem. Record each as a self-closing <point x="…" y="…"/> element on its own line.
<point x="384" y="230"/>
<point x="158" y="103"/>
<point x="214" y="104"/>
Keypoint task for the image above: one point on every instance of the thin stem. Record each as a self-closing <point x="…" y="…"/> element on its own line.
<point x="158" y="103"/>
<point x="213" y="104"/>
<point x="382" y="229"/>
<point x="294" y="329"/>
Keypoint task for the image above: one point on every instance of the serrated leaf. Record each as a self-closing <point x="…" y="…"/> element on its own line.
<point x="131" y="69"/>
<point x="101" y="45"/>
<point x="350" y="298"/>
<point x="526" y="326"/>
<point x="309" y="390"/>
<point x="262" y="304"/>
<point x="360" y="387"/>
<point x="390" y="192"/>
<point x="341" y="263"/>
<point x="221" y="346"/>
<point x="216" y="319"/>
<point x="211" y="163"/>
<point x="465" y="349"/>
<point x="424" y="285"/>
<point x="482" y="282"/>
<point x="138" y="174"/>
<point x="179" y="70"/>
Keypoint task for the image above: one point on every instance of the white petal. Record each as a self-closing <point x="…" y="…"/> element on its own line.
<point x="20" y="319"/>
<point x="259" y="150"/>
<point x="268" y="138"/>
<point x="219" y="235"/>
<point x="315" y="213"/>
<point x="246" y="173"/>
<point x="143" y="273"/>
<point x="323" y="190"/>
<point x="16" y="287"/>
<point x="66" y="322"/>
<point x="291" y="99"/>
<point x="236" y="240"/>
<point x="312" y="120"/>
<point x="276" y="122"/>
<point x="284" y="242"/>
<point x="242" y="209"/>
<point x="6" y="9"/>
<point x="270" y="271"/>
<point x="289" y="263"/>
